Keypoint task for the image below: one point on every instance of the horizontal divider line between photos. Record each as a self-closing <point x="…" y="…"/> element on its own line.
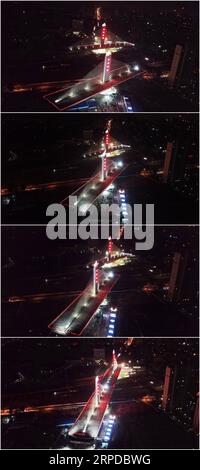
<point x="100" y="337"/>
<point x="99" y="224"/>
<point x="104" y="112"/>
<point x="104" y="450"/>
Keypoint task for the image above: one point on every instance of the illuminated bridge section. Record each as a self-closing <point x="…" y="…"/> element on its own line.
<point x="102" y="78"/>
<point x="96" y="47"/>
<point x="115" y="257"/>
<point x="89" y="192"/>
<point x="76" y="317"/>
<point x="88" y="424"/>
<point x="100" y="42"/>
<point x="91" y="87"/>
<point x="113" y="147"/>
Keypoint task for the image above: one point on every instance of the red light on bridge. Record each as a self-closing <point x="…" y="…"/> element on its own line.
<point x="97" y="385"/>
<point x="103" y="33"/>
<point x="97" y="276"/>
<point x="107" y="138"/>
<point x="108" y="63"/>
<point x="107" y="67"/>
<point x="110" y="245"/>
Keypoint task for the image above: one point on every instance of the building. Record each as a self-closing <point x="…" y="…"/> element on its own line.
<point x="168" y="372"/>
<point x="179" y="394"/>
<point x="167" y="162"/>
<point x="177" y="277"/>
<point x="195" y="423"/>
<point x="175" y="65"/>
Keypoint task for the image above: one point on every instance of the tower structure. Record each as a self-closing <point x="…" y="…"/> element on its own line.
<point x="97" y="390"/>
<point x="114" y="360"/>
<point x="98" y="16"/>
<point x="110" y="245"/>
<point x="95" y="278"/>
<point x="104" y="166"/>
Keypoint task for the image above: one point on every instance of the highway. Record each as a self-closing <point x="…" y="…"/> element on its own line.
<point x="49" y="185"/>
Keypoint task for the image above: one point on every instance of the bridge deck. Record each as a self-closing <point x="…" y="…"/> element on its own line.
<point x="91" y="417"/>
<point x="76" y="317"/>
<point x="69" y="98"/>
<point x="90" y="191"/>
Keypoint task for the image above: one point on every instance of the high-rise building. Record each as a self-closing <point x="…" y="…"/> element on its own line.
<point x="166" y="387"/>
<point x="179" y="392"/>
<point x="177" y="276"/>
<point x="167" y="162"/>
<point x="175" y="65"/>
<point x="195" y="423"/>
<point x="177" y="158"/>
